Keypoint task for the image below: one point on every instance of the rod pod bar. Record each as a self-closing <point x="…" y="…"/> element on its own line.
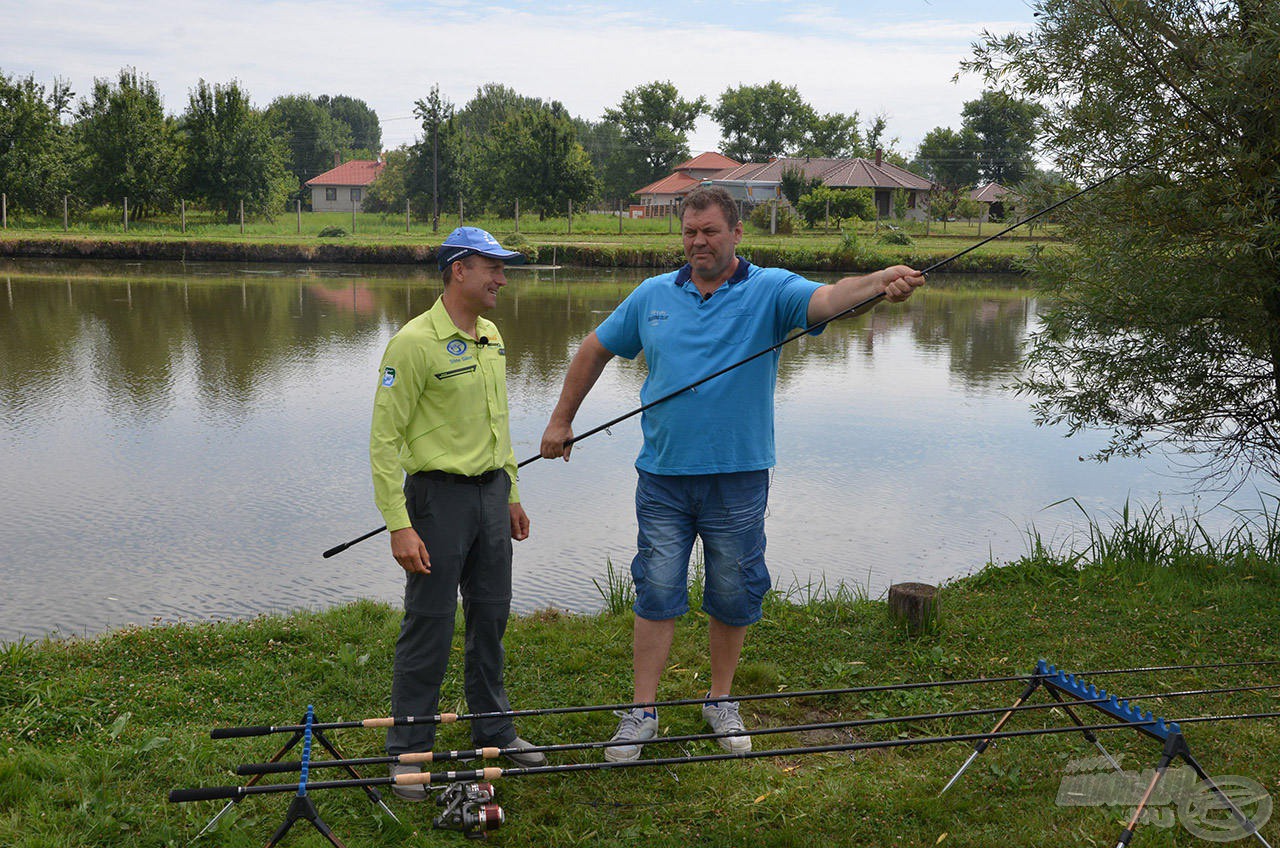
<point x="449" y="718"/>
<point x="337" y="549"/>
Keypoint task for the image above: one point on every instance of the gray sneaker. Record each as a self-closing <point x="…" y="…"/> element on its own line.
<point x="527" y="759"/>
<point x="409" y="791"/>
<point x="634" y="727"/>
<point x="723" y="717"/>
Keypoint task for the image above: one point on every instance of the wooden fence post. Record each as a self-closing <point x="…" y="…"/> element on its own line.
<point x="459" y="210"/>
<point x="297" y="211"/>
<point x="4" y="211"/>
<point x="126" y="214"/>
<point x="406" y="215"/>
<point x="242" y="216"/>
<point x="773" y="217"/>
<point x="183" y="202"/>
<point x="353" y="215"/>
<point x="66" y="222"/>
<point x="619" y="217"/>
<point x="570" y="217"/>
<point x="517" y="214"/>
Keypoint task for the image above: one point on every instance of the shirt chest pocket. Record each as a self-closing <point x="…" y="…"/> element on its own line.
<point x="735" y="326"/>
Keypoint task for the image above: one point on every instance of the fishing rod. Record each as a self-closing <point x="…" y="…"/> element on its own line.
<point x="870" y="301"/>
<point x="449" y="718"/>
<point x="491" y="752"/>
<point x="490" y="773"/>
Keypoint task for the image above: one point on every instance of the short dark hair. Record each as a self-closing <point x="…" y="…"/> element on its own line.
<point x="446" y="276"/>
<point x="704" y="197"/>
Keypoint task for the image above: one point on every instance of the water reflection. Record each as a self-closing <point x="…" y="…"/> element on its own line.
<point x="181" y="441"/>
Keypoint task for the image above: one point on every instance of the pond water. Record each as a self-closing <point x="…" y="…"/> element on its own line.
<point x="180" y="442"/>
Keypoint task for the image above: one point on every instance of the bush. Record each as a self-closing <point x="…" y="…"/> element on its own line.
<point x="333" y="232"/>
<point x="786" y="222"/>
<point x="896" y="237"/>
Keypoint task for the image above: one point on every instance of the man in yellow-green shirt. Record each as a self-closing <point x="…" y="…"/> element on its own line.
<point x="444" y="478"/>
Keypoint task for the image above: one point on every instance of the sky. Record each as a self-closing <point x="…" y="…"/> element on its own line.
<point x="898" y="59"/>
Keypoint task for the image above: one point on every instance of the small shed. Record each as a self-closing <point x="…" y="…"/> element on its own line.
<point x="343" y="187"/>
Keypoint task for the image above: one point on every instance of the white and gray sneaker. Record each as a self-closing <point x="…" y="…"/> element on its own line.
<point x="635" y="727"/>
<point x="723" y="716"/>
<point x="411" y="791"/>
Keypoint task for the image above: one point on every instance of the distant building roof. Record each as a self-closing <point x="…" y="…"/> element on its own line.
<point x="748" y="171"/>
<point x="677" y="183"/>
<point x="864" y="173"/>
<point x="813" y="167"/>
<point x="358" y="172"/>
<point x="989" y="193"/>
<point x="706" y="161"/>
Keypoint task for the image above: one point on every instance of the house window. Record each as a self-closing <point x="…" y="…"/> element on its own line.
<point x="911" y="200"/>
<point x="355" y="195"/>
<point x="331" y="194"/>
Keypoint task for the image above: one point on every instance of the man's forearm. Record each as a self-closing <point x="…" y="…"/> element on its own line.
<point x="584" y="370"/>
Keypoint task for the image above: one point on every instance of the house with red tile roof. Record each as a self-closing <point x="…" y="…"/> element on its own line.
<point x="661" y="197"/>
<point x="752" y="184"/>
<point x="340" y="188"/>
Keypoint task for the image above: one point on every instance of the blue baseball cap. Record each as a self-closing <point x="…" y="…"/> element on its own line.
<point x="467" y="241"/>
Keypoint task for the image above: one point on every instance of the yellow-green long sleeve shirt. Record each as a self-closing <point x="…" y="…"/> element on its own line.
<point x="441" y="404"/>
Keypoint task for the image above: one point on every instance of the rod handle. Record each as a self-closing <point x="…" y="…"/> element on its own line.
<point x="337" y="549"/>
<point x="239" y="732"/>
<point x="203" y="793"/>
<point x="267" y="768"/>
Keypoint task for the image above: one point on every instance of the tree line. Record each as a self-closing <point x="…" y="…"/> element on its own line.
<point x="118" y="142"/>
<point x="500" y="146"/>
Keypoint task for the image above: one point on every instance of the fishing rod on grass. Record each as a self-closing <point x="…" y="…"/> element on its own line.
<point x="449" y="718"/>
<point x="492" y="753"/>
<point x="490" y="773"/>
<point x="870" y="301"/>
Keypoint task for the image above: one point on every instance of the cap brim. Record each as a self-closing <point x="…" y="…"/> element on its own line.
<point x="510" y="257"/>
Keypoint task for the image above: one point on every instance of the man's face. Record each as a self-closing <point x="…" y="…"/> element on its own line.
<point x="709" y="242"/>
<point x="477" y="280"/>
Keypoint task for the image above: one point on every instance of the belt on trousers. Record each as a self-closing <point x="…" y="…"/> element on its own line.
<point x="447" y="477"/>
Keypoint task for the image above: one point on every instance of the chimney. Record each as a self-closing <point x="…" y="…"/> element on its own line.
<point x="879" y="156"/>
<point x="337" y="158"/>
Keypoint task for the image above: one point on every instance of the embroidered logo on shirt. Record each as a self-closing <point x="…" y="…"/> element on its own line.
<point x="657" y="315"/>
<point x="457" y="347"/>
<point x="388" y="378"/>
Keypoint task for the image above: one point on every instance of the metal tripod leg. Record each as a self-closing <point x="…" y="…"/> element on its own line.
<point x="1174" y="746"/>
<point x="284" y="749"/>
<point x="302" y="808"/>
<point x="1088" y="734"/>
<point x="373" y="794"/>
<point x="1245" y="822"/>
<point x="985" y="743"/>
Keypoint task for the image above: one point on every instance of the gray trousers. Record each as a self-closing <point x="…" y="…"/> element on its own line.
<point x="467" y="530"/>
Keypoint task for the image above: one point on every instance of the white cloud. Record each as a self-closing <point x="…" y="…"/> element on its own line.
<point x="390" y="55"/>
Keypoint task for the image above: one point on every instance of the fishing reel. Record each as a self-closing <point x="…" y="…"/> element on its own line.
<point x="469" y="809"/>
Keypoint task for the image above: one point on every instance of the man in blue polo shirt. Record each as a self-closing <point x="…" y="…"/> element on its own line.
<point x="703" y="469"/>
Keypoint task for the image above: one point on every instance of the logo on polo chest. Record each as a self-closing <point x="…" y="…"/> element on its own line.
<point x="657" y="316"/>
<point x="457" y="347"/>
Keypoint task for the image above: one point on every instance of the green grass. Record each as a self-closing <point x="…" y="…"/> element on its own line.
<point x="93" y="733"/>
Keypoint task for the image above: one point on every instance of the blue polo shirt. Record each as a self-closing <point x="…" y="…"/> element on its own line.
<point x="726" y="424"/>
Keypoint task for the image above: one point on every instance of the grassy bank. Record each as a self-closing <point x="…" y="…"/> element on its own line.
<point x="93" y="734"/>
<point x="593" y="241"/>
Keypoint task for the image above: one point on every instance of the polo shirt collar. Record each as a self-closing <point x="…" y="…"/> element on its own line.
<point x="685" y="275"/>
<point x="444" y="327"/>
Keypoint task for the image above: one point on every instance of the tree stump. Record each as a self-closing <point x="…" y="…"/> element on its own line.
<point x="914" y="607"/>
